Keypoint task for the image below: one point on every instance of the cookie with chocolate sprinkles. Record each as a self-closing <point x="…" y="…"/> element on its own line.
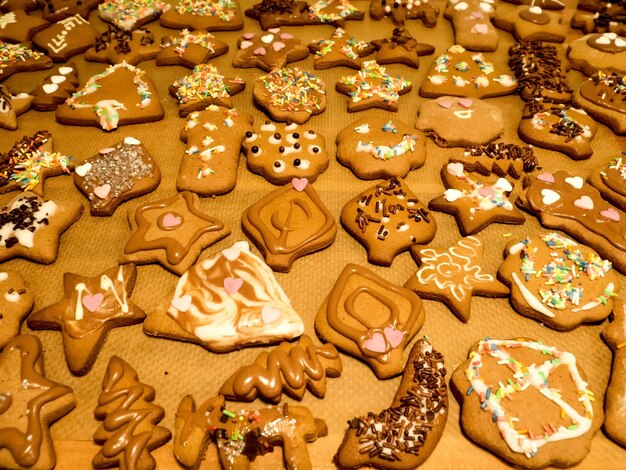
<point x="499" y="158"/>
<point x="603" y="97"/>
<point x="117" y="45"/>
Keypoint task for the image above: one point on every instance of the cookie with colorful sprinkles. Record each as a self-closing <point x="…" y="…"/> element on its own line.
<point x="527" y="402"/>
<point x="331" y="12"/>
<point x="18" y="58"/>
<point x="340" y="50"/>
<point x="210" y="15"/>
<point x="190" y="48"/>
<point x="290" y="94"/>
<point x="129" y="14"/>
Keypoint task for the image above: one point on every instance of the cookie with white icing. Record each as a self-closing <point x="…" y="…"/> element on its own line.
<point x="55" y="89"/>
<point x="375" y="147"/>
<point x="16" y="302"/>
<point x="66" y="38"/>
<point x="471" y="21"/>
<point x="605" y="52"/>
<point x="280" y="152"/>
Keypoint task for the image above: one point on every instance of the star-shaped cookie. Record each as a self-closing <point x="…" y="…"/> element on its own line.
<point x="532" y="23"/>
<point x="15" y="303"/>
<point x="129" y="14"/>
<point x="277" y="13"/>
<point x="340" y="50"/>
<point x="57" y="10"/>
<point x="401" y="48"/>
<point x="18" y="58"/>
<point x="211" y="15"/>
<point x="171" y="232"/>
<point x="399" y="11"/>
<point x="473" y="202"/>
<point x="204" y="87"/>
<point x="331" y="12"/>
<point x="453" y="276"/>
<point x="372" y="87"/>
<point x="19" y="27"/>
<point x="117" y="45"/>
<point x="30" y="162"/>
<point x="190" y="49"/>
<point x="271" y="50"/>
<point x="11" y="106"/>
<point x="31" y="227"/>
<point x="91" y="307"/>
<point x="30" y="404"/>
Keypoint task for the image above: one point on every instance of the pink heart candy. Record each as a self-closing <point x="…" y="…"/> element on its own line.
<point x="102" y="191"/>
<point x="394" y="336"/>
<point x="466" y="102"/>
<point x="274" y="30"/>
<point x="376" y="343"/>
<point x="170" y="220"/>
<point x="277" y="46"/>
<point x="447" y="104"/>
<point x="546" y="177"/>
<point x="245" y="44"/>
<point x="233" y="284"/>
<point x="93" y="302"/>
<point x="270" y="314"/>
<point x="299" y="184"/>
<point x="486" y="192"/>
<point x="455" y="169"/>
<point x="259" y="51"/>
<point x="476" y="15"/>
<point x="286" y="36"/>
<point x="182" y="304"/>
<point x="611" y="214"/>
<point x="585" y="203"/>
<point x="248" y="35"/>
<point x="480" y="28"/>
<point x="232" y="253"/>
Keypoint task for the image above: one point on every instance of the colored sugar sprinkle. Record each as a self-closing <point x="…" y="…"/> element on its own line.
<point x="223" y="9"/>
<point x="126" y="13"/>
<point x="343" y="9"/>
<point x="293" y="89"/>
<point x="372" y="81"/>
<point x="186" y="38"/>
<point x="205" y="82"/>
<point x="12" y="53"/>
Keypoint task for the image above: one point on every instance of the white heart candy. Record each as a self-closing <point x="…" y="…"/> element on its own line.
<point x="245" y="44"/>
<point x="83" y="169"/>
<point x="131" y="141"/>
<point x="603" y="40"/>
<point x="50" y="88"/>
<point x="575" y="181"/>
<point x="504" y="185"/>
<point x="65" y="70"/>
<point x="452" y="195"/>
<point x="610" y="35"/>
<point x="549" y="197"/>
<point x="619" y="42"/>
<point x="57" y="79"/>
<point x="267" y="38"/>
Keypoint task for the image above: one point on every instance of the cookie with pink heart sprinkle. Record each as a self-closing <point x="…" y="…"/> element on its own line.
<point x="371" y="319"/>
<point x="268" y="50"/>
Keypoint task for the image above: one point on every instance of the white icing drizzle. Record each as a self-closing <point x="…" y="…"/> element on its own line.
<point x="532" y="301"/>
<point x="26" y="237"/>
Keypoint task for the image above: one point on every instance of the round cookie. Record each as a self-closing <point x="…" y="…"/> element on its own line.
<point x="605" y="52"/>
<point x="460" y="122"/>
<point x="375" y="147"/>
<point x="281" y="152"/>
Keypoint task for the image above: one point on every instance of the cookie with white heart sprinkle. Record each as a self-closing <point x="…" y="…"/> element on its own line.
<point x="55" y="89"/>
<point x="268" y="51"/>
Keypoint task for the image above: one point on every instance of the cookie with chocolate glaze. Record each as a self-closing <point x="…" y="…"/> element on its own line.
<point x="269" y="51"/>
<point x="288" y="223"/>
<point x="11" y="106"/>
<point x="16" y="302"/>
<point x="172" y="232"/>
<point x="211" y="15"/>
<point x="401" y="48"/>
<point x="55" y="89"/>
<point x="471" y="21"/>
<point x="598" y="52"/>
<point x="375" y="147"/>
<point x="340" y="50"/>
<point x="539" y="425"/>
<point x="282" y="152"/>
<point x="600" y="16"/>
<point x="406" y="10"/>
<point x="460" y="122"/>
<point x="190" y="48"/>
<point x="603" y="97"/>
<point x="387" y="219"/>
<point x="18" y="58"/>
<point x="66" y="38"/>
<point x="610" y="180"/>
<point x="117" y="45"/>
<point x="411" y="426"/>
<point x="278" y="13"/>
<point x="116" y="174"/>
<point x="371" y="319"/>
<point x="532" y="23"/>
<point x="247" y="306"/>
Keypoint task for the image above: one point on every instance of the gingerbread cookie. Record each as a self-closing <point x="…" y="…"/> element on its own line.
<point x="598" y="52"/>
<point x="558" y="127"/>
<point x="371" y="319"/>
<point x="19" y="27"/>
<point x="603" y="97"/>
<point x="474" y="202"/>
<point x="120" y="95"/>
<point x="340" y="50"/>
<point x="614" y="411"/>
<point x="388" y="219"/>
<point x="12" y="5"/>
<point x="129" y="429"/>
<point x="171" y="232"/>
<point x="600" y="16"/>
<point x="539" y="72"/>
<point x="291" y="368"/>
<point x="532" y="23"/>
<point x="241" y="435"/>
<point x="375" y="147"/>
<point x="331" y="12"/>
<point x="129" y="14"/>
<point x="405" y="434"/>
<point x="190" y="48"/>
<point x="31" y="404"/>
<point x="29" y="162"/>
<point x="269" y="51"/>
<point x="558" y="282"/>
<point x="471" y="21"/>
<point x="211" y="15"/>
<point x="288" y="223"/>
<point x="117" y="45"/>
<point x="247" y="307"/>
<point x="91" y="307"/>
<point x="66" y="38"/>
<point x="204" y="87"/>
<point x="498" y="158"/>
<point x="31" y="227"/>
<point x="458" y="72"/>
<point x="18" y="58"/>
<point x="453" y="276"/>
<point x="282" y="152"/>
<point x="16" y="302"/>
<point x="278" y="13"/>
<point x="55" y="89"/>
<point x="57" y="10"/>
<point x="405" y="10"/>
<point x="11" y="106"/>
<point x="545" y="4"/>
<point x="565" y="202"/>
<point x="401" y="48"/>
<point x="213" y="138"/>
<point x="117" y="174"/>
<point x="538" y="425"/>
<point x="610" y="180"/>
<point x="290" y="95"/>
<point x="460" y="122"/>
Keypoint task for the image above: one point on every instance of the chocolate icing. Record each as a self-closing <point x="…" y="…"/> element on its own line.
<point x="540" y="18"/>
<point x="608" y="91"/>
<point x="606" y="43"/>
<point x="614" y="176"/>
